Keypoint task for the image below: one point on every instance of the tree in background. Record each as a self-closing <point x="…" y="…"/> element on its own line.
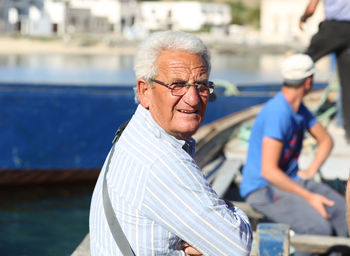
<point x="244" y="15"/>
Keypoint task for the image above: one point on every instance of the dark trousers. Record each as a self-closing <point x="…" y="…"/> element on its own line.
<point x="284" y="207"/>
<point x="334" y="36"/>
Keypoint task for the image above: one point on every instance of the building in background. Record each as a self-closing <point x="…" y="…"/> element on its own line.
<point x="4" y="15"/>
<point x="184" y="15"/>
<point x="25" y="17"/>
<point x="279" y="22"/>
<point x="102" y="16"/>
<point x="278" y="19"/>
<point x="60" y="17"/>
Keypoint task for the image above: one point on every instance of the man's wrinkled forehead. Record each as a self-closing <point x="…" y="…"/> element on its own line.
<point x="179" y="62"/>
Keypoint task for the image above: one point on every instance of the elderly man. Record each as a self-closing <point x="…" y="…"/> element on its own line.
<point x="272" y="182"/>
<point x="158" y="193"/>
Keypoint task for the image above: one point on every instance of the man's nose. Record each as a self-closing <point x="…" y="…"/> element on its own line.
<point x="192" y="96"/>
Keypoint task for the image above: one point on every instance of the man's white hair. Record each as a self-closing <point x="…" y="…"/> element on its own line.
<point x="149" y="50"/>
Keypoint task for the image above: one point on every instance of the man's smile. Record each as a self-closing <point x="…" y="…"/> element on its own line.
<point x="187" y="111"/>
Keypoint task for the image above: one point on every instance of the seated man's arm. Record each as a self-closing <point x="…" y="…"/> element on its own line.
<point x="271" y="152"/>
<point x="324" y="147"/>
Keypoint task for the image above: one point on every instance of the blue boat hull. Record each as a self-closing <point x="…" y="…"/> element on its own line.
<point x="69" y="129"/>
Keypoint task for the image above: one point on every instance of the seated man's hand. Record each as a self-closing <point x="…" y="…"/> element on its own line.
<point x="305" y="174"/>
<point x="319" y="202"/>
<point x="189" y="250"/>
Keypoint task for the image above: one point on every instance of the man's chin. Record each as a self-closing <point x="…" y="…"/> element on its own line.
<point x="187" y="132"/>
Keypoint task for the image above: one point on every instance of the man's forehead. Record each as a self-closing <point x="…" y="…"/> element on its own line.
<point x="179" y="60"/>
<point x="178" y="55"/>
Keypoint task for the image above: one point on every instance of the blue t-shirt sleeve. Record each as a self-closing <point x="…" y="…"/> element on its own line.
<point x="275" y="125"/>
<point x="310" y="119"/>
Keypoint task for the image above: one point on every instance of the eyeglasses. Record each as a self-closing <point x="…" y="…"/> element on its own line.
<point x="181" y="88"/>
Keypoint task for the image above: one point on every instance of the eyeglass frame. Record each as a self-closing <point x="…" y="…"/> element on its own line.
<point x="210" y="86"/>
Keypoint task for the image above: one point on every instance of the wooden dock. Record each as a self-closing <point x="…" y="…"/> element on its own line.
<point x="83" y="248"/>
<point x="272" y="239"/>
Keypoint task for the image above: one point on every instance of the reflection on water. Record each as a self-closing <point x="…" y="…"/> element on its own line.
<point x="43" y="220"/>
<point x="56" y="61"/>
<point x="245" y="69"/>
<point x="118" y="69"/>
<point x="67" y="69"/>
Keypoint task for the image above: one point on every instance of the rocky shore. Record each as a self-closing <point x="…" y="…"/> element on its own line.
<point x="25" y="45"/>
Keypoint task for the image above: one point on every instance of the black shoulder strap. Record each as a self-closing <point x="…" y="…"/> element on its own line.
<point x="112" y="220"/>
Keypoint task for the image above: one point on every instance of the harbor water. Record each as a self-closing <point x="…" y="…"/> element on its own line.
<point x="52" y="220"/>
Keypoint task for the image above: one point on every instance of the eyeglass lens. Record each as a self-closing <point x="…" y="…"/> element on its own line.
<point x="179" y="89"/>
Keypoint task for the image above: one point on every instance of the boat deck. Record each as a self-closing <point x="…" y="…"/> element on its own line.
<point x="337" y="165"/>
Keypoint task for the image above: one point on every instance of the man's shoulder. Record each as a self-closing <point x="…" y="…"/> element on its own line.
<point x="274" y="108"/>
<point x="144" y="144"/>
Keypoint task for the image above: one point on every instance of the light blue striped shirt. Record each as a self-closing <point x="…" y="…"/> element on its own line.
<point x="337" y="10"/>
<point x="161" y="197"/>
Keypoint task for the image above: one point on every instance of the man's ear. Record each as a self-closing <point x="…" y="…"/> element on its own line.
<point x="144" y="92"/>
<point x="309" y="83"/>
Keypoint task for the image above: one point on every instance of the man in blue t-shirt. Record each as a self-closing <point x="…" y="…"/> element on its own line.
<point x="272" y="182"/>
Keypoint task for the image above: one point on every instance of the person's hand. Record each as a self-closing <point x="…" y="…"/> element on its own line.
<point x="318" y="202"/>
<point x="305" y="174"/>
<point x="301" y="25"/>
<point x="302" y="21"/>
<point x="189" y="250"/>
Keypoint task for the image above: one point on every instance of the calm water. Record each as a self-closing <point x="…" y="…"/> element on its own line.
<point x="43" y="220"/>
<point x="117" y="69"/>
<point x="52" y="220"/>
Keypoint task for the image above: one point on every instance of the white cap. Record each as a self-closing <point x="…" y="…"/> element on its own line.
<point x="297" y="67"/>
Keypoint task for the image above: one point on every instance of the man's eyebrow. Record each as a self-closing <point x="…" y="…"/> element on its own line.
<point x="200" y="79"/>
<point x="174" y="80"/>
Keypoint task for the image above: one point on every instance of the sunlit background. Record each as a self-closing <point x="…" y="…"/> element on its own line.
<point x="90" y="43"/>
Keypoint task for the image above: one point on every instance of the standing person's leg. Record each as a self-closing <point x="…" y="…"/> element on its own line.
<point x="343" y="60"/>
<point x="325" y="40"/>
<point x="337" y="212"/>
<point x="334" y="36"/>
<point x="347" y="195"/>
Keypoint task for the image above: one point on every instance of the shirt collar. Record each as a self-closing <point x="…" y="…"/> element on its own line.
<point x="154" y="128"/>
